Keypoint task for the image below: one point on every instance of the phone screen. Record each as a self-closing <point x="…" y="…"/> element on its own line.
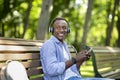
<point x="89" y="50"/>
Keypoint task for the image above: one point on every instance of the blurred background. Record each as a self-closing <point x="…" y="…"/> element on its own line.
<point x="92" y="22"/>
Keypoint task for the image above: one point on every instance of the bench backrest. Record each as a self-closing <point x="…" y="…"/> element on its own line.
<point x="106" y="62"/>
<point x="25" y="51"/>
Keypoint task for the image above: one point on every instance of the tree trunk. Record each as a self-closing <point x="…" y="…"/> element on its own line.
<point x="26" y="19"/>
<point x="118" y="28"/>
<point x="44" y="19"/>
<point x="118" y="25"/>
<point x="110" y="26"/>
<point x="2" y="34"/>
<point x="87" y="21"/>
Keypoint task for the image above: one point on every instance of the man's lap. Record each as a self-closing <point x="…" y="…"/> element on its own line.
<point x="78" y="78"/>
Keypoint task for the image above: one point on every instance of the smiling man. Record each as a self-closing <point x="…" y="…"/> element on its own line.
<point x="55" y="56"/>
<point x="60" y="28"/>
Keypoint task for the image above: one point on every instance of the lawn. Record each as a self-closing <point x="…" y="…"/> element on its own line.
<point x="87" y="69"/>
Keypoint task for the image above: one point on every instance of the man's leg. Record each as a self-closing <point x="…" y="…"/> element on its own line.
<point x="78" y="78"/>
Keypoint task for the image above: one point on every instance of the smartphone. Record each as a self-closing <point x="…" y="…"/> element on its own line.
<point x="89" y="50"/>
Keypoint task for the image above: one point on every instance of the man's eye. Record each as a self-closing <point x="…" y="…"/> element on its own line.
<point x="57" y="28"/>
<point x="64" y="28"/>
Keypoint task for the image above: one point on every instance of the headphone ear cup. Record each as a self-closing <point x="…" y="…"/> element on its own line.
<point x="68" y="30"/>
<point x="51" y="29"/>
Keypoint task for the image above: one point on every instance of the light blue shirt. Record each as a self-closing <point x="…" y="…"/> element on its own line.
<point x="53" y="61"/>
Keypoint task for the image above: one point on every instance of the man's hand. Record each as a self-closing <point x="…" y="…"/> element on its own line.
<point x="83" y="56"/>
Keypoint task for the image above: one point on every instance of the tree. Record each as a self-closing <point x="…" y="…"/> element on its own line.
<point x="4" y="10"/>
<point x="26" y="18"/>
<point x="87" y="21"/>
<point x="44" y="19"/>
<point x="118" y="24"/>
<point x="110" y="25"/>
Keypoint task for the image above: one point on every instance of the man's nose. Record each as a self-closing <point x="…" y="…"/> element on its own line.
<point x="62" y="30"/>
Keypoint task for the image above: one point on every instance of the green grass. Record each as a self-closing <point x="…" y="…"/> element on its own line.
<point x="87" y="69"/>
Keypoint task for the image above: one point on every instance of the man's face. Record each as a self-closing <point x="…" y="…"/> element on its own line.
<point x="60" y="29"/>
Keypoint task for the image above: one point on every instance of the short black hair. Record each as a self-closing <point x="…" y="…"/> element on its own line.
<point x="58" y="18"/>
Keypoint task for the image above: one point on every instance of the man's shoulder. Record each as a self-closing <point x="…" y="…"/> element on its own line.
<point x="48" y="43"/>
<point x="47" y="46"/>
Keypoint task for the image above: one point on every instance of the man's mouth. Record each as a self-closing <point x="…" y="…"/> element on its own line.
<point x="61" y="34"/>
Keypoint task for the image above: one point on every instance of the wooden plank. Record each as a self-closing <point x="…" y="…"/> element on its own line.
<point x="117" y="76"/>
<point x="38" y="78"/>
<point x="32" y="63"/>
<point x="21" y="43"/>
<point x="19" y="39"/>
<point x="104" y="60"/>
<point x="27" y="63"/>
<point x="107" y="64"/>
<point x="112" y="73"/>
<point x="34" y="71"/>
<point x="102" y="54"/>
<point x="5" y="57"/>
<point x="9" y="48"/>
<point x="106" y="49"/>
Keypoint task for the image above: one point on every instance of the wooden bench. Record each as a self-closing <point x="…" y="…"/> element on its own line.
<point x="25" y="51"/>
<point x="106" y="62"/>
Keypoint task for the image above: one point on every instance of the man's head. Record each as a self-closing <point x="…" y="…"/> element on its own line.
<point x="59" y="28"/>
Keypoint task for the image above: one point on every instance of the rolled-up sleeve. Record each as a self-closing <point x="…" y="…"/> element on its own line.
<point x="51" y="65"/>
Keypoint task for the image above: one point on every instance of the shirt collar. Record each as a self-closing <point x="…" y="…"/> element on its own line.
<point x="55" y="39"/>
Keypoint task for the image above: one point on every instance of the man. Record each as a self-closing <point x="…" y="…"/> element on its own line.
<point x="56" y="60"/>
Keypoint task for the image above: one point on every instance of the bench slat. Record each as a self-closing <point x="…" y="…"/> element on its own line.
<point x="105" y="49"/>
<point x="27" y="64"/>
<point x="4" y="57"/>
<point x="21" y="43"/>
<point x="112" y="74"/>
<point x="38" y="78"/>
<point x="9" y="48"/>
<point x="31" y="64"/>
<point x="34" y="72"/>
<point x="107" y="64"/>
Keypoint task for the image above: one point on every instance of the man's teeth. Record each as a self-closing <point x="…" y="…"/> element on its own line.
<point x="61" y="34"/>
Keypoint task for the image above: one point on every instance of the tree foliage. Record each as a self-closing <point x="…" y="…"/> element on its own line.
<point x="20" y="19"/>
